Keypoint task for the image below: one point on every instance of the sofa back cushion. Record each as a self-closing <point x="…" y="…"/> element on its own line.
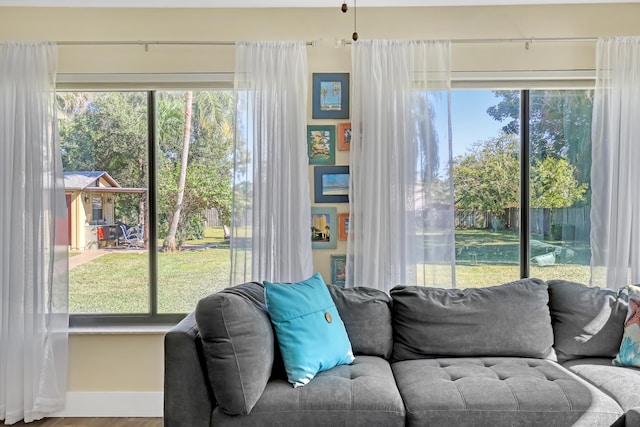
<point x="238" y="345"/>
<point x="507" y="320"/>
<point x="366" y="313"/>
<point x="587" y="322"/>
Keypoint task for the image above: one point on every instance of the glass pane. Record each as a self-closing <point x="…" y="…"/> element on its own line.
<point x="560" y="136"/>
<point x="194" y="201"/>
<point x="103" y="142"/>
<point x="486" y="171"/>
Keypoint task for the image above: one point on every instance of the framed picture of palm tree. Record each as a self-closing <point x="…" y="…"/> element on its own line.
<point x="321" y="144"/>
<point x="330" y="96"/>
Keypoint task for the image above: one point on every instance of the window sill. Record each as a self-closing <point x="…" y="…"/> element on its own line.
<point x="120" y="330"/>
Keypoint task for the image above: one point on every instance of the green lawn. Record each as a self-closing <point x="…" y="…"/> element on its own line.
<point x="118" y="282"/>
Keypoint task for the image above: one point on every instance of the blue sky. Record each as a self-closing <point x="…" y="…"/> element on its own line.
<point x="469" y="119"/>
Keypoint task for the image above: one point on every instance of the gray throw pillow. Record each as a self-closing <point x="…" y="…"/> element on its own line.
<point x="238" y="345"/>
<point x="587" y="322"/>
<point x="366" y="314"/>
<point x="507" y="320"/>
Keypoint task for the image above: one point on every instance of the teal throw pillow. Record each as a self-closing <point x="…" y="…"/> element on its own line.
<point x="629" y="353"/>
<point x="310" y="333"/>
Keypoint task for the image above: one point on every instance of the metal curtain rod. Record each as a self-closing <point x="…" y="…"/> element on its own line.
<point x="313" y="43"/>
<point x="153" y="42"/>
<point x="528" y="40"/>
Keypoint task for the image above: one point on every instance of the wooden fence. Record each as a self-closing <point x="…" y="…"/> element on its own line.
<point x="572" y="223"/>
<point x="212" y="219"/>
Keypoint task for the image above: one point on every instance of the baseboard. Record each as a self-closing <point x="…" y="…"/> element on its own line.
<point x="112" y="404"/>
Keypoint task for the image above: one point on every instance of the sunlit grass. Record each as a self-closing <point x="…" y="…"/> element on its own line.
<point x="118" y="282"/>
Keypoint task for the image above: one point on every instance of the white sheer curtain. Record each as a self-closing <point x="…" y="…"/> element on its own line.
<point x="33" y="231"/>
<point x="401" y="227"/>
<point x="615" y="171"/>
<point x="271" y="219"/>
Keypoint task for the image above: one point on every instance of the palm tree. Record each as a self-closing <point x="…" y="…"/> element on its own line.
<point x="169" y="244"/>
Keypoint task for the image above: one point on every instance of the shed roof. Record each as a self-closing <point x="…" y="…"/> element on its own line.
<point x="82" y="180"/>
<point x="86" y="180"/>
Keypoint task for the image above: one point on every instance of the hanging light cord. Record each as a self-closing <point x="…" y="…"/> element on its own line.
<point x="355" y="31"/>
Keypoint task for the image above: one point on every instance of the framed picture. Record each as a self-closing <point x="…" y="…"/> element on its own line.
<point x="338" y="269"/>
<point x="321" y="143"/>
<point x="324" y="228"/>
<point x="330" y="96"/>
<point x="344" y="136"/>
<point x="343" y="226"/>
<point x="331" y="184"/>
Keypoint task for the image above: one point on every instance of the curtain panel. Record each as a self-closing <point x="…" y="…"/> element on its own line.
<point x="34" y="236"/>
<point x="401" y="224"/>
<point x="615" y="205"/>
<point x="271" y="218"/>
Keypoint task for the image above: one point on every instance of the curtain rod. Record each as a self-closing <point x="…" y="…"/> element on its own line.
<point x="154" y="42"/>
<point x="315" y="43"/>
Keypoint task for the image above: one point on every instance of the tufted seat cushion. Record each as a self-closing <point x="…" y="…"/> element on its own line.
<point x="622" y="383"/>
<point x="361" y="394"/>
<point x="499" y="391"/>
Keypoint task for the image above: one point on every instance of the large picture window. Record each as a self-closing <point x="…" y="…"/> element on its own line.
<point x="488" y="169"/>
<point x="148" y="177"/>
<point x="149" y="201"/>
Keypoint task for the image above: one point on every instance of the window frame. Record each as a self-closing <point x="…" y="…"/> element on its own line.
<point x="581" y="81"/>
<point x="150" y="84"/>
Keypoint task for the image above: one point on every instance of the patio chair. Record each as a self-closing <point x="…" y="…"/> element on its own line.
<point x="131" y="237"/>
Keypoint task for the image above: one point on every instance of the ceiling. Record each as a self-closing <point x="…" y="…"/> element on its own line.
<point x="283" y="3"/>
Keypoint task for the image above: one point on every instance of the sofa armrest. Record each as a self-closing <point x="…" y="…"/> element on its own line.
<point x="188" y="400"/>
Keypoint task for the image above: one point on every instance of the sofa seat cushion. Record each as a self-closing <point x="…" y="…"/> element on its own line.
<point x="621" y="383"/>
<point x="361" y="394"/>
<point x="499" y="391"/>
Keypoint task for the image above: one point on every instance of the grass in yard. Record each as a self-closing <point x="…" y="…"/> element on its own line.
<point x="118" y="282"/>
<point x="113" y="283"/>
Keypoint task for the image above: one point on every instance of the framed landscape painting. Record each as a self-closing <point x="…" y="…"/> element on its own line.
<point x="324" y="228"/>
<point x="338" y="269"/>
<point x="330" y="96"/>
<point x="331" y="184"/>
<point x="321" y="143"/>
<point x="344" y="136"/>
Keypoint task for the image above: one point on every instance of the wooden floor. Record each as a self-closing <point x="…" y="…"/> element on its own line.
<point x="93" y="422"/>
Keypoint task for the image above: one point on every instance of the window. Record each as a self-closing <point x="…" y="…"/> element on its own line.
<point x="147" y="233"/>
<point x="560" y="184"/>
<point x="488" y="166"/>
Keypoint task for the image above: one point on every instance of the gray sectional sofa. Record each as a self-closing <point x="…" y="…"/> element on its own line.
<point x="526" y="353"/>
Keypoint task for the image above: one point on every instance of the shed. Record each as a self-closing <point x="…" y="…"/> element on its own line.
<point x="90" y="199"/>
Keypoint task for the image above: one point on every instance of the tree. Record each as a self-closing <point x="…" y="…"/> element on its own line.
<point x="487" y="177"/>
<point x="553" y="184"/>
<point x="208" y="178"/>
<point x="106" y="131"/>
<point x="560" y="124"/>
<point x="169" y="244"/>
